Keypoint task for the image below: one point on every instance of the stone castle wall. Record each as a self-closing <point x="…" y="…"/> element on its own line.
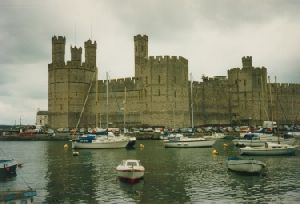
<point x="160" y="94"/>
<point x="68" y="86"/>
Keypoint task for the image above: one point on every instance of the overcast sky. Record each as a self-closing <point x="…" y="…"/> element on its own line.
<point x="212" y="35"/>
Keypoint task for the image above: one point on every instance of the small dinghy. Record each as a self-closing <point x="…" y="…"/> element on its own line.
<point x="248" y="166"/>
<point x="8" y="167"/>
<point x="130" y="170"/>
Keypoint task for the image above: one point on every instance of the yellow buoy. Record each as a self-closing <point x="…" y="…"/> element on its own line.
<point x="66" y="146"/>
<point x="75" y="153"/>
<point x="215" y="151"/>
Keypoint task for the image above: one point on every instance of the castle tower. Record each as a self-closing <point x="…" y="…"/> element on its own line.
<point x="247" y="61"/>
<point x="58" y="50"/>
<point x="58" y="85"/>
<point x="76" y="55"/>
<point x="140" y="53"/>
<point x="90" y="53"/>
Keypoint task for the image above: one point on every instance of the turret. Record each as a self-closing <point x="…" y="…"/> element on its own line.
<point x="247" y="61"/>
<point x="140" y="52"/>
<point x="76" y="55"/>
<point x="58" y="50"/>
<point x="90" y="53"/>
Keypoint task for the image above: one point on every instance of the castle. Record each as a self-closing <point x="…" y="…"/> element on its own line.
<point x="160" y="94"/>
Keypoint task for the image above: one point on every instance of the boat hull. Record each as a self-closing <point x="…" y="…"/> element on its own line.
<point x="246" y="166"/>
<point x="189" y="144"/>
<point x="8" y="168"/>
<point x="100" y="145"/>
<point x="268" y="152"/>
<point x="17" y="196"/>
<point x="131" y="176"/>
<point x="260" y="143"/>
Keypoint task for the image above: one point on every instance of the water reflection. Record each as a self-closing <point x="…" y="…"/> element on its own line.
<point x="171" y="175"/>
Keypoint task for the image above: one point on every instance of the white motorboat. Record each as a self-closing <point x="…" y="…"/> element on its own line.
<point x="185" y="142"/>
<point x="249" y="166"/>
<point x="130" y="170"/>
<point x="92" y="141"/>
<point x="270" y="149"/>
<point x="259" y="140"/>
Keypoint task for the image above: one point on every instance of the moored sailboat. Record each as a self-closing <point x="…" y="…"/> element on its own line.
<point x="180" y="141"/>
<point x="248" y="166"/>
<point x="270" y="149"/>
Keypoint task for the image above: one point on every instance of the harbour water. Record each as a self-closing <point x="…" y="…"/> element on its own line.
<point x="172" y="175"/>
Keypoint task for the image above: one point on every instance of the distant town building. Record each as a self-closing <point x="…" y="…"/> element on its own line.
<point x="42" y="118"/>
<point x="159" y="95"/>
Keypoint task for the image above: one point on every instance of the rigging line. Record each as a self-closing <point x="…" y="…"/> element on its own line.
<point x="86" y="98"/>
<point x="22" y="178"/>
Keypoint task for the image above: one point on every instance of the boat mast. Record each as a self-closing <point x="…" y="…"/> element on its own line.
<point x="192" y="108"/>
<point x="107" y="100"/>
<point x="86" y="98"/>
<point x="124" y="108"/>
<point x="271" y="102"/>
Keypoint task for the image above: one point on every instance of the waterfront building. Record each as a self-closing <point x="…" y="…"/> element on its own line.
<point x="41" y="118"/>
<point x="159" y="94"/>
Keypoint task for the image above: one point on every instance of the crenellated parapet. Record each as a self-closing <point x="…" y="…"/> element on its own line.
<point x="58" y="39"/>
<point x="168" y="60"/>
<point x="140" y="37"/>
<point x="247" y="61"/>
<point x="286" y="87"/>
<point x="118" y="85"/>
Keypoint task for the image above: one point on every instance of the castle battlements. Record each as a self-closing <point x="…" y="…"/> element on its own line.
<point x="166" y="58"/>
<point x="289" y="86"/>
<point x="118" y="84"/>
<point x="140" y="37"/>
<point x="89" y="43"/>
<point x="58" y="39"/>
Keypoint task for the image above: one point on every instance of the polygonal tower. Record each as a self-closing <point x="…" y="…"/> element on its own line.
<point x="58" y="85"/>
<point x="76" y="55"/>
<point x="90" y="53"/>
<point x="140" y="54"/>
<point x="58" y="50"/>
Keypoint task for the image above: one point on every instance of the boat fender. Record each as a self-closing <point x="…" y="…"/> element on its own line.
<point x="215" y="151"/>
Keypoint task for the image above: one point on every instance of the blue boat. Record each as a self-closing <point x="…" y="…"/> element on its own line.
<point x="23" y="196"/>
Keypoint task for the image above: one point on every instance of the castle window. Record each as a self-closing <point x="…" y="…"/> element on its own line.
<point x="159" y="79"/>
